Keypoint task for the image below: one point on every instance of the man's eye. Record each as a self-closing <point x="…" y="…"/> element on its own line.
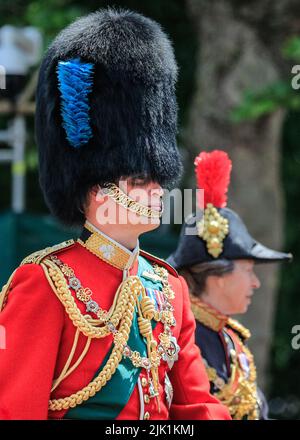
<point x="138" y="182"/>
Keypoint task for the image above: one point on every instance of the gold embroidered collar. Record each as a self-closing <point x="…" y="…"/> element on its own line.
<point x="106" y="248"/>
<point x="208" y="315"/>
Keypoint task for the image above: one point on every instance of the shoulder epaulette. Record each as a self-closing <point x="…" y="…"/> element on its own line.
<point x="38" y="256"/>
<point x="161" y="262"/>
<point x="239" y="328"/>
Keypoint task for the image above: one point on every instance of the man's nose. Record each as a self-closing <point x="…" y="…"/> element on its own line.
<point x="255" y="282"/>
<point x="157" y="191"/>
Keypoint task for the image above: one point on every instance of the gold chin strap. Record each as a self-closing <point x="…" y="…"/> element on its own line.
<point x="127" y="202"/>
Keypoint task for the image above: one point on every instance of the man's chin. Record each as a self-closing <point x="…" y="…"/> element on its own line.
<point x="146" y="227"/>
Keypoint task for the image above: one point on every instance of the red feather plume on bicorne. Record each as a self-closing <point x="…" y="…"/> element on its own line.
<point x="213" y="176"/>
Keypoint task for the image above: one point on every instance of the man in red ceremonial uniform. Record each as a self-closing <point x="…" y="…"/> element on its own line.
<point x="96" y="328"/>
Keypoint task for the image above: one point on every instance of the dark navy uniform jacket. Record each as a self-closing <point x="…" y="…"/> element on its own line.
<point x="229" y="362"/>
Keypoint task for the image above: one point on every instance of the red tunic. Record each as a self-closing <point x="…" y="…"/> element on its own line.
<point x="39" y="337"/>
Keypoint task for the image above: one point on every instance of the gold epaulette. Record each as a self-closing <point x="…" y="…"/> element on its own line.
<point x="35" y="258"/>
<point x="160" y="262"/>
<point x="239" y="328"/>
<point x="38" y="256"/>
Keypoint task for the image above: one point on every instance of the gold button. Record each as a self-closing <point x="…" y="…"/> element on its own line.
<point x="146" y="398"/>
<point x="144" y="382"/>
<point x="146" y="416"/>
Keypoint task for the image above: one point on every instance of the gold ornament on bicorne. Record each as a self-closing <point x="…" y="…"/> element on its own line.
<point x="213" y="229"/>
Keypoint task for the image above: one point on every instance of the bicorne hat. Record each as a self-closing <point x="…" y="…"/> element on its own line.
<point x="217" y="232"/>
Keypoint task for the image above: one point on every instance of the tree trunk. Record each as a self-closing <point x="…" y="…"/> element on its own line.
<point x="234" y="56"/>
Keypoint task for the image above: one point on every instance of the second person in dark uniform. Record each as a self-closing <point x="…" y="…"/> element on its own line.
<point x="216" y="255"/>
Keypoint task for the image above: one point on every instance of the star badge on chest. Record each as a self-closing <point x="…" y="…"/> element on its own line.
<point x="170" y="355"/>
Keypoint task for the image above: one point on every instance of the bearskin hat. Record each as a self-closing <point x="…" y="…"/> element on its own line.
<point x="106" y="109"/>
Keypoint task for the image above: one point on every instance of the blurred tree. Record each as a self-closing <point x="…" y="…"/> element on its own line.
<point x="239" y="49"/>
<point x="284" y="369"/>
<point x="285" y="359"/>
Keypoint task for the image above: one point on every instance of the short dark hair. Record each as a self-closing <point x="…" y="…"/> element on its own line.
<point x="197" y="274"/>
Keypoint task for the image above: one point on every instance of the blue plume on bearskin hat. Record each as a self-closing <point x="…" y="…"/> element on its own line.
<point x="75" y="83"/>
<point x="126" y="118"/>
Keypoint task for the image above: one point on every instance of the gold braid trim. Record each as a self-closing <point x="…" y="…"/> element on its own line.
<point x="38" y="256"/>
<point x="130" y="289"/>
<point x="34" y="258"/>
<point x="208" y="316"/>
<point x="60" y="287"/>
<point x="239" y="394"/>
<point x="239" y="328"/>
<point x="67" y="370"/>
<point x="97" y="243"/>
<point x="93" y="387"/>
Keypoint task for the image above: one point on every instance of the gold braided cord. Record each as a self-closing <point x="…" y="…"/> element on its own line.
<point x="125" y="295"/>
<point x="238" y="327"/>
<point x="66" y="371"/>
<point x="100" y="380"/>
<point x="147" y="307"/>
<point x="55" y="277"/>
<point x="60" y="378"/>
<point x="128" y="296"/>
<point x="144" y="327"/>
<point x="124" y="200"/>
<point x="242" y="398"/>
<point x="79" y="360"/>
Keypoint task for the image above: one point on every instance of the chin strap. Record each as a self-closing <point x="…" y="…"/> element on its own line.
<point x="127" y="202"/>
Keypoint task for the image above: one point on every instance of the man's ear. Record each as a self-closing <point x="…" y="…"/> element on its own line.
<point x="95" y="198"/>
<point x="221" y="282"/>
<point x="95" y="195"/>
<point x="98" y="195"/>
<point x="94" y="190"/>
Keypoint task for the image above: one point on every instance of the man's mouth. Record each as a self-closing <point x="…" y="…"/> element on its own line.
<point x="156" y="207"/>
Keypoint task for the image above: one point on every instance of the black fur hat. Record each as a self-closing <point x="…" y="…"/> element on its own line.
<point x="106" y="108"/>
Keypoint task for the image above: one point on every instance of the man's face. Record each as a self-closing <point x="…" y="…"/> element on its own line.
<point x="146" y="193"/>
<point x="143" y="191"/>
<point x="238" y="287"/>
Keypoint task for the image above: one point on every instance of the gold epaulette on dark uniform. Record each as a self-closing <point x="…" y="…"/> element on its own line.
<point x="239" y="328"/>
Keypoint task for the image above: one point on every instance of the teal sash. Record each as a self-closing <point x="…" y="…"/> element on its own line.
<point x="107" y="403"/>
